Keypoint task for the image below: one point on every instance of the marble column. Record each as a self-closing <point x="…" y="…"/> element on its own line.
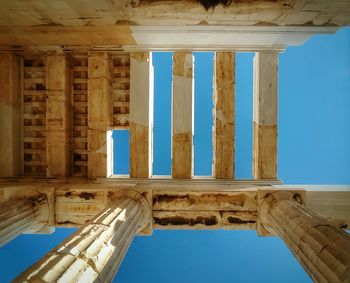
<point x="321" y="248"/>
<point x="95" y="251"/>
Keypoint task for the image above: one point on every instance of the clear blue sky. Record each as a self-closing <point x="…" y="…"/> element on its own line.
<point x="314" y="147"/>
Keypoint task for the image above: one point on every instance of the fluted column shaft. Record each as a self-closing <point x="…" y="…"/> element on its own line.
<point x="95" y="251"/>
<point x="17" y="216"/>
<point x="321" y="248"/>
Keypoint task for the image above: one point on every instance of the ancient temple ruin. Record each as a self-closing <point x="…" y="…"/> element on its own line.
<point x="72" y="72"/>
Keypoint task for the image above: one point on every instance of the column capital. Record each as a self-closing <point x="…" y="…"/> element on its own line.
<point x="24" y="211"/>
<point x="267" y="197"/>
<point x="143" y="198"/>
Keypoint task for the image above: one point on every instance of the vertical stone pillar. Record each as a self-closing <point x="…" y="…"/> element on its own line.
<point x="10" y="114"/>
<point x="265" y="115"/>
<point x="321" y="248"/>
<point x="141" y="114"/>
<point x="18" y="216"/>
<point x="182" y="116"/>
<point x="95" y="251"/>
<point x="58" y="114"/>
<point x="224" y="116"/>
<point x="99" y="112"/>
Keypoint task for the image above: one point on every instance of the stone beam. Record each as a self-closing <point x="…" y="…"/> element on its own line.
<point x="34" y="114"/>
<point x="321" y="248"/>
<point x="10" y="114"/>
<point x="99" y="113"/>
<point x="224" y="116"/>
<point x="159" y="37"/>
<point x="96" y="250"/>
<point x="204" y="220"/>
<point x="265" y="115"/>
<point x="33" y="28"/>
<point x="141" y="114"/>
<point x="234" y="200"/>
<point x="58" y="114"/>
<point x="182" y="115"/>
<point x="75" y="203"/>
